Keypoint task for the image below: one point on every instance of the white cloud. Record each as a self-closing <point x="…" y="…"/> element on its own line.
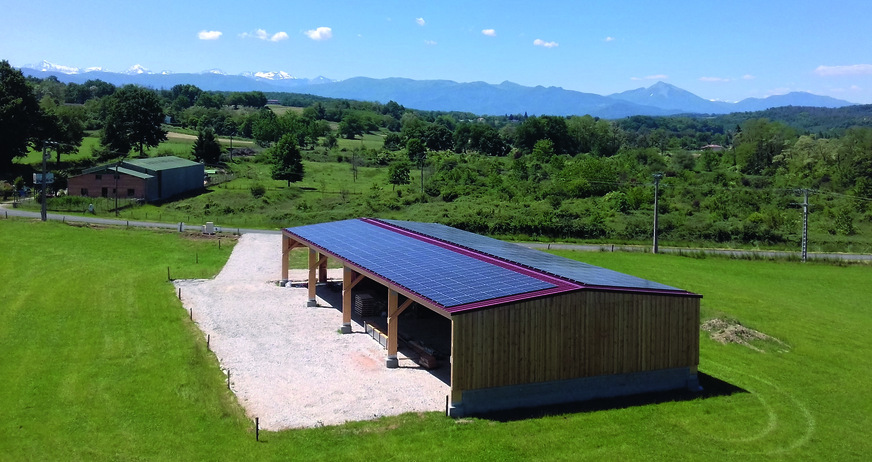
<point x="209" y="34"/>
<point x="489" y="32"/>
<point x="420" y="21"/>
<point x="748" y="77"/>
<point x="542" y="43"/>
<point x="429" y="42"/>
<point x="715" y="79"/>
<point x="609" y="39"/>
<point x="320" y="33"/>
<point x="263" y="35"/>
<point x="852" y="88"/>
<point x="651" y="77"/>
<point x="854" y="69"/>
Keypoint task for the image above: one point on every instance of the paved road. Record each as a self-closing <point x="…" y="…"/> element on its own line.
<point x="10" y="212"/>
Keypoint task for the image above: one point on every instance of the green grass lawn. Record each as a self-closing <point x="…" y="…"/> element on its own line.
<point x="34" y="157"/>
<point x="328" y="191"/>
<point x="366" y="141"/>
<point x="101" y="362"/>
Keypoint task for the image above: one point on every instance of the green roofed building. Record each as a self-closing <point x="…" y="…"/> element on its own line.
<point x="151" y="179"/>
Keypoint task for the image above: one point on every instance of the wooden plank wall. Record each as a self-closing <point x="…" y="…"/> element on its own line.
<point x="580" y="334"/>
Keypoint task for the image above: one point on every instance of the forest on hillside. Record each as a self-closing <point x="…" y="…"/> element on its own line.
<point x="730" y="179"/>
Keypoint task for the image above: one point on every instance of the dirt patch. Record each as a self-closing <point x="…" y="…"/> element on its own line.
<point x="187" y="137"/>
<point x="725" y="331"/>
<point x="200" y="236"/>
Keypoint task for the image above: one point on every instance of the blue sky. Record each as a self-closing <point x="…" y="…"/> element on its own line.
<point x="717" y="50"/>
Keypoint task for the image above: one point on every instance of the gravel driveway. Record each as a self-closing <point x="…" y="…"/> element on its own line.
<point x="289" y="365"/>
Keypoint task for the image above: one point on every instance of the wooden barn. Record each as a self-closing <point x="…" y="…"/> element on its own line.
<point x="527" y="328"/>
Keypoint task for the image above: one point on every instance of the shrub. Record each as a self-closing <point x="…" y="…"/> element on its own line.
<point x="258" y="190"/>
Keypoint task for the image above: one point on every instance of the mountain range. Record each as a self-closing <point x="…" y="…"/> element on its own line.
<point x="445" y="95"/>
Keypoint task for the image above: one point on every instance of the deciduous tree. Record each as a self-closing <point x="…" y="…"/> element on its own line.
<point x="133" y="119"/>
<point x="19" y="115"/>
<point x="416" y="151"/>
<point x="65" y="125"/>
<point x="350" y="126"/>
<point x="399" y="173"/>
<point x="287" y="160"/>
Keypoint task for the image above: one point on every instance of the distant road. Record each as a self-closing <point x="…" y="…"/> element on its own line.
<point x="5" y="211"/>
<point x="676" y="250"/>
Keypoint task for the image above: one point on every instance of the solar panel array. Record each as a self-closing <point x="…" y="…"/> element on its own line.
<point x="563" y="267"/>
<point x="446" y="277"/>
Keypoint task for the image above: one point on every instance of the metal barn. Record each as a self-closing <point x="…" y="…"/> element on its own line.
<point x="151" y="179"/>
<point x="527" y="328"/>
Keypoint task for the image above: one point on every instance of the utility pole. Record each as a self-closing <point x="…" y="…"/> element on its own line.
<point x="805" y="225"/>
<point x="43" y="212"/>
<point x="657" y="177"/>
<point x="117" y="164"/>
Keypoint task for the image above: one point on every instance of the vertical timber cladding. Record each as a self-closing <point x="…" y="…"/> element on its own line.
<point x="579" y="334"/>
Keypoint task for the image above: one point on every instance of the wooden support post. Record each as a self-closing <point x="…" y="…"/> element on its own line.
<point x="349" y="280"/>
<point x="394" y="311"/>
<point x="392" y="361"/>
<point x="286" y="253"/>
<point x="347" y="276"/>
<point x="313" y="265"/>
<point x="322" y="269"/>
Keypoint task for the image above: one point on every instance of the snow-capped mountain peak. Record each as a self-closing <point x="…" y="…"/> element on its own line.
<point x="214" y="71"/>
<point x="137" y="69"/>
<point x="278" y="75"/>
<point x="46" y="66"/>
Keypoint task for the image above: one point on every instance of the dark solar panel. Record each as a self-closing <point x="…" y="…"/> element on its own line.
<point x="446" y="277"/>
<point x="552" y="264"/>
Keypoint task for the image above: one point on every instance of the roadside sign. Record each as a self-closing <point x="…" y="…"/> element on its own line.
<point x="37" y="178"/>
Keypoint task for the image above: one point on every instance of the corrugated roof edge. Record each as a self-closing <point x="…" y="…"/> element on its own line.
<point x="111" y="168"/>
<point x="162" y="162"/>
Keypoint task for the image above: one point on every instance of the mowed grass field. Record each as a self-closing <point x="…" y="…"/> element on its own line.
<point x="100" y="361"/>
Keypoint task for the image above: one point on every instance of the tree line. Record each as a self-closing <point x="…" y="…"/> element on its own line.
<point x="727" y="178"/>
